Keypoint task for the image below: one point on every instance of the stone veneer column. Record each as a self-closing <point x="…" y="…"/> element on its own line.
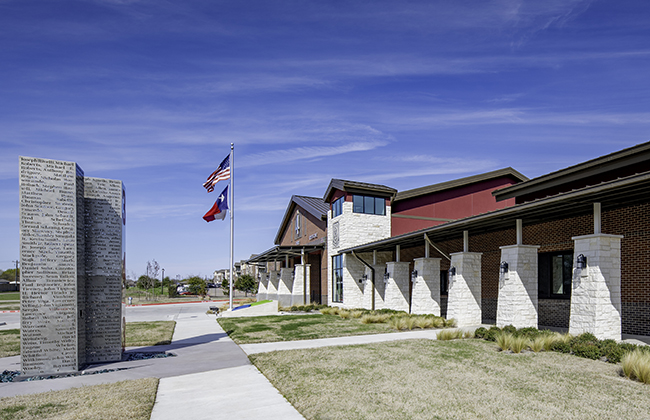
<point x="517" y="303"/>
<point x="397" y="289"/>
<point x="426" y="288"/>
<point x="464" y="296"/>
<point x="297" y="297"/>
<point x="596" y="290"/>
<point x="380" y="286"/>
<point x="274" y="282"/>
<point x="285" y="286"/>
<point x="262" y="288"/>
<point x="353" y="270"/>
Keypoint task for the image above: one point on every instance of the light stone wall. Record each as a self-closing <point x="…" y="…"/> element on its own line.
<point x="596" y="290"/>
<point x="297" y="296"/>
<point x="272" y="287"/>
<point x="426" y="287"/>
<point x="285" y="286"/>
<point x="397" y="288"/>
<point x="464" y="296"/>
<point x="351" y="229"/>
<point x="517" y="304"/>
<point x="353" y="270"/>
<point x="262" y="288"/>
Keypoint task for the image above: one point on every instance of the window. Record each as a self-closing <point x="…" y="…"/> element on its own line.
<point x="337" y="278"/>
<point x="337" y="207"/>
<point x="368" y="205"/>
<point x="444" y="282"/>
<point x="298" y="221"/>
<point x="555" y="273"/>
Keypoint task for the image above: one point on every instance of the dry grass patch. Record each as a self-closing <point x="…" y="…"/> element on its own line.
<point x="425" y="379"/>
<point x="9" y="343"/>
<point x="121" y="400"/>
<point x="153" y="333"/>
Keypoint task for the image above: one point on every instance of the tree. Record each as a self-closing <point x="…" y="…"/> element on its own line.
<point x="246" y="283"/>
<point x="225" y="286"/>
<point x="145" y="282"/>
<point x="9" y="274"/>
<point x="197" y="286"/>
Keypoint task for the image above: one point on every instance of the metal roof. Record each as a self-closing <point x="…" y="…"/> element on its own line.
<point x="629" y="190"/>
<point x="359" y="188"/>
<point x="612" y="161"/>
<point x="278" y="253"/>
<point x="312" y="205"/>
<point x="456" y="183"/>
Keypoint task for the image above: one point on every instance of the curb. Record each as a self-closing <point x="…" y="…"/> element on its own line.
<point x="8" y="312"/>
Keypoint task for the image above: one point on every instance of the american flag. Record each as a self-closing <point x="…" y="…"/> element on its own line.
<point x="221" y="174"/>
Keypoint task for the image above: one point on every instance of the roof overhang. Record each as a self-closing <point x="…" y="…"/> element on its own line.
<point x="279" y="253"/>
<point x="361" y="188"/>
<point x="612" y="194"/>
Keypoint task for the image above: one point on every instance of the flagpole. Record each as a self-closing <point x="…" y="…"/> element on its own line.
<point x="232" y="217"/>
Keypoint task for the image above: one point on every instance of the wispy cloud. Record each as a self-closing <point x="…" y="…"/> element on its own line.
<point x="308" y="152"/>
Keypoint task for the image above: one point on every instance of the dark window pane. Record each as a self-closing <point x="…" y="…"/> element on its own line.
<point x="369" y="205"/>
<point x="357" y="203"/>
<point x="380" y="206"/>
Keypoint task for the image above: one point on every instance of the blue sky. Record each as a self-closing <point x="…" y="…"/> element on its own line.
<point x="406" y="94"/>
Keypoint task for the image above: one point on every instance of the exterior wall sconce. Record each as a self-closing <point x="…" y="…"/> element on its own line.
<point x="386" y="277"/>
<point x="504" y="267"/>
<point x="451" y="273"/>
<point x="363" y="278"/>
<point x="414" y="275"/>
<point x="581" y="262"/>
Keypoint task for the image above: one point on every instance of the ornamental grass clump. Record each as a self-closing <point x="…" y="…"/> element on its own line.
<point x="538" y="343"/>
<point x="519" y="344"/>
<point x="424" y="322"/>
<point x="356" y="314"/>
<point x="375" y="319"/>
<point x="344" y="314"/>
<point x="438" y="322"/>
<point x="503" y="340"/>
<point x="445" y="335"/>
<point x="468" y="334"/>
<point x="450" y="323"/>
<point x="636" y="365"/>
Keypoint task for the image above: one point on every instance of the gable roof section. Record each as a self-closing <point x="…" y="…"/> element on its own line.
<point x="358" y="188"/>
<point x="457" y="183"/>
<point x="612" y="162"/>
<point x="312" y="205"/>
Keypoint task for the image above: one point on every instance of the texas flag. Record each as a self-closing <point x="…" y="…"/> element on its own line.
<point x="218" y="211"/>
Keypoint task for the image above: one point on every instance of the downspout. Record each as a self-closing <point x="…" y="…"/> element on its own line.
<point x="372" y="279"/>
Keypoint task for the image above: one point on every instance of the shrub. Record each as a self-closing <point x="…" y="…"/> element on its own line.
<point x="585" y="338"/>
<point x="527" y="332"/>
<point x="518" y="344"/>
<point x="492" y="333"/>
<point x="480" y="332"/>
<point x="613" y="352"/>
<point x="450" y="323"/>
<point x="636" y="365"/>
<point x="510" y="329"/>
<point x="561" y="346"/>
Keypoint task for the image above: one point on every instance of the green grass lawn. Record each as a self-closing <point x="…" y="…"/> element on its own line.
<point x="131" y="400"/>
<point x="9" y="343"/>
<point x="262" y="329"/>
<point x="10" y="296"/>
<point x="152" y="333"/>
<point x="460" y="379"/>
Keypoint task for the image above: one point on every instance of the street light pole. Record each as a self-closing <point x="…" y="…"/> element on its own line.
<point x="162" y="283"/>
<point x="16" y="275"/>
